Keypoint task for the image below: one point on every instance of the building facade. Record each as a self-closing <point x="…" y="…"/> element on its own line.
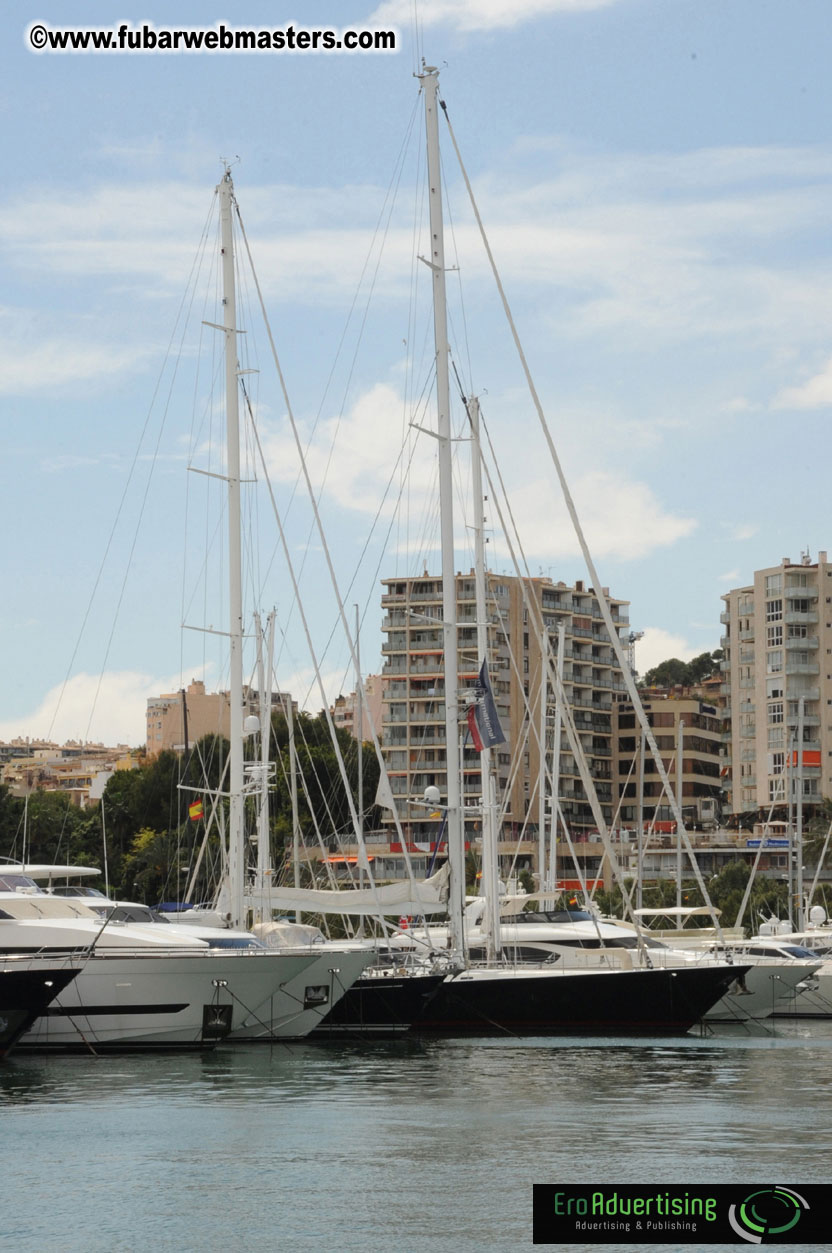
<point x="777" y="676"/>
<point x="79" y="771"/>
<point x="703" y="761"/>
<point x="345" y="710"/>
<point x="191" y="713"/>
<point x="413" y="708"/>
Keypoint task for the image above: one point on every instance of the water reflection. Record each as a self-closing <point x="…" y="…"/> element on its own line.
<point x="439" y="1142"/>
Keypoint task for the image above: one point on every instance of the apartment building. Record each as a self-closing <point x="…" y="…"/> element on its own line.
<point x="192" y="713"/>
<point x="676" y="716"/>
<point x="80" y="771"/>
<point x="413" y="709"/>
<point x="778" y="656"/>
<point x="344" y="710"/>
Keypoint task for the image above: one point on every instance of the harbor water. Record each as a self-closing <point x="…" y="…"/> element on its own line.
<point x="430" y="1146"/>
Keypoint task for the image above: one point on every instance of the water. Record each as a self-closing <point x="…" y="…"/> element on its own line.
<point x="406" y="1146"/>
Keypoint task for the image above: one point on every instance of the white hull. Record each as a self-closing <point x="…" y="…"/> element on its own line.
<point x="768" y="989"/>
<point x="179" y="999"/>
<point x="815" y="1001"/>
<point x="312" y="993"/>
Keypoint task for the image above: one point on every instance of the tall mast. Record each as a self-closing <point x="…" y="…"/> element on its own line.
<point x="235" y="590"/>
<point x="799" y="910"/>
<point x="456" y="849"/>
<point x="263" y="771"/>
<point x="488" y="782"/>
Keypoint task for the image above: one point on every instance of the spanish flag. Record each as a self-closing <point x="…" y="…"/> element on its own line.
<point x="195" y="811"/>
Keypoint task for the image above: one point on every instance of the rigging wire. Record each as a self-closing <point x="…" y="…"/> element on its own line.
<point x="133" y="466"/>
<point x="590" y="564"/>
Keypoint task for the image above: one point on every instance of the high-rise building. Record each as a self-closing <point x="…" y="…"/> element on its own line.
<point x="413" y="709"/>
<point x="190" y="713"/>
<point x="778" y="657"/>
<point x="345" y="709"/>
<point x="702" y="759"/>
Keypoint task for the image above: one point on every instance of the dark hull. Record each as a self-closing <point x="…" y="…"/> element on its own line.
<point x="25" y="991"/>
<point x="557" y="1003"/>
<point x="380" y="1007"/>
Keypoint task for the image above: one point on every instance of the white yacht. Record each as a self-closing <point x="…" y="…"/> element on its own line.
<point x="577" y="939"/>
<point x="308" y="994"/>
<point x="143" y="986"/>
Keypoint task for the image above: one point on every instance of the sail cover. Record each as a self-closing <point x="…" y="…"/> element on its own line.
<point x="405" y="897"/>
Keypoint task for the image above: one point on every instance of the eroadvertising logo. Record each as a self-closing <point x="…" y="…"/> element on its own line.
<point x="680" y="1214"/>
<point x="767" y="1213"/>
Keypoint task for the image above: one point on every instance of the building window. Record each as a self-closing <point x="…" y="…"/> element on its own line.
<point x="774" y="583"/>
<point x="774" y="661"/>
<point x="774" y="635"/>
<point x="775" y="737"/>
<point x="774" y="688"/>
<point x="774" y="610"/>
<point x="775" y="712"/>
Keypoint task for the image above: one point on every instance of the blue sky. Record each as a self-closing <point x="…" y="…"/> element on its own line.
<point x="656" y="180"/>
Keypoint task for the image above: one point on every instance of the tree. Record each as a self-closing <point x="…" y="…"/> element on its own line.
<point x="676" y="673"/>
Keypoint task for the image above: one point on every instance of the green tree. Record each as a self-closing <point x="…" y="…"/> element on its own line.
<point x="676" y="673"/>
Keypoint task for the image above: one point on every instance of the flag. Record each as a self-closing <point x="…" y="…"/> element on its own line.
<point x="195" y="811"/>
<point x="483" y="722"/>
<point x="384" y="792"/>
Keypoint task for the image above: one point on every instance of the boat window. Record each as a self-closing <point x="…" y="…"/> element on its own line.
<point x="797" y="950"/>
<point x="14" y="882"/>
<point x="232" y="941"/>
<point x="131" y="913"/>
<point x="70" y="891"/>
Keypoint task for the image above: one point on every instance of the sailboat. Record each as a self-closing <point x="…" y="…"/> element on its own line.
<point x="492" y="997"/>
<point x="329" y="969"/>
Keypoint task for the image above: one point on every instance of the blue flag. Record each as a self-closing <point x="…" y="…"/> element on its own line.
<point x="483" y="722"/>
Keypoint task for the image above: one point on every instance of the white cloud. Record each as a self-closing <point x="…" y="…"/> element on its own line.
<point x="730" y="576"/>
<point x="664" y="244"/>
<point x="815" y="393"/>
<point x="478" y="14"/>
<point x="357" y="457"/>
<point x="110" y="710"/>
<point x="658" y="645"/>
<point x="34" y="358"/>
<point x="620" y="517"/>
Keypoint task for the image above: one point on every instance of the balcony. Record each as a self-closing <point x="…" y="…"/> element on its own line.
<point x="393" y="646"/>
<point x="809" y="720"/>
<point x="792" y="618"/>
<point x="802" y="667"/>
<point x="801" y="593"/>
<point x="725" y="618"/>
<point x="807" y="642"/>
<point x="747" y="636"/>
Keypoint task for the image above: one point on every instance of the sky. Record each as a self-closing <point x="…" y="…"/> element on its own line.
<point x="655" y="178"/>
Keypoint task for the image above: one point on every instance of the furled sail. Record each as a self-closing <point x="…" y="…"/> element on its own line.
<point x="404" y="897"/>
